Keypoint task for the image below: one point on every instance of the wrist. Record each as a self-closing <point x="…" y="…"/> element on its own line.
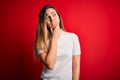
<point x="54" y="39"/>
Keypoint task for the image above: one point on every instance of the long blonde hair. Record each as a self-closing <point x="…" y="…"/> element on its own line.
<point x="43" y="32"/>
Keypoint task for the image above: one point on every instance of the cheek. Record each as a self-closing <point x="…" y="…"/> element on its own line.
<point x="48" y="22"/>
<point x="58" y="20"/>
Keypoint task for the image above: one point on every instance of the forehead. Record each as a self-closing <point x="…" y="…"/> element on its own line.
<point x="50" y="11"/>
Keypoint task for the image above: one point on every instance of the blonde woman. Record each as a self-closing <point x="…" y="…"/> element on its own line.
<point x="58" y="50"/>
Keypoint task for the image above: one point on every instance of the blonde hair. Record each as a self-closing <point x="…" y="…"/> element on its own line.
<point x="43" y="32"/>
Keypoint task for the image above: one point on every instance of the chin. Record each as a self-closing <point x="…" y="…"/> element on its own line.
<point x="53" y="27"/>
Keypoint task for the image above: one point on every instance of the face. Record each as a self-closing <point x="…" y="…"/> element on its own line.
<point x="52" y="18"/>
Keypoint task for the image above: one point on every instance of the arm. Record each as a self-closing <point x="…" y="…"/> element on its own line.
<point x="76" y="67"/>
<point x="49" y="58"/>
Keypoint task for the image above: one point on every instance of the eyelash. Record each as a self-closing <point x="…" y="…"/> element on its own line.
<point x="52" y="15"/>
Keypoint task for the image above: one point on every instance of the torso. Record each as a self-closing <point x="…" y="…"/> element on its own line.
<point x="63" y="66"/>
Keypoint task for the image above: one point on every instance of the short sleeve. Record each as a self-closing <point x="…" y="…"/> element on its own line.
<point x="39" y="51"/>
<point x="76" y="45"/>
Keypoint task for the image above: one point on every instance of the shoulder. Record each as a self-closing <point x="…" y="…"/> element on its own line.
<point x="71" y="34"/>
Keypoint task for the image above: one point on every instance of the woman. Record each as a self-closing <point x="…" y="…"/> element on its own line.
<point x="58" y="50"/>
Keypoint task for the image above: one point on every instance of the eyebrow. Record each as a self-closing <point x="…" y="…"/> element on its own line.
<point x="51" y="13"/>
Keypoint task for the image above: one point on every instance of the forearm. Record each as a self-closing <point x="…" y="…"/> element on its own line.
<point x="76" y="73"/>
<point x="52" y="54"/>
<point x="76" y="67"/>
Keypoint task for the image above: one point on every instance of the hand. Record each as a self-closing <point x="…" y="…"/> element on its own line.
<point x="56" y="32"/>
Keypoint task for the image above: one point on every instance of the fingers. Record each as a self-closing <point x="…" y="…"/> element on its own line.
<point x="55" y="32"/>
<point x="51" y="30"/>
<point x="54" y="29"/>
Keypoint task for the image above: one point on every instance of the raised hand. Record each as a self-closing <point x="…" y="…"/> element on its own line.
<point x="56" y="32"/>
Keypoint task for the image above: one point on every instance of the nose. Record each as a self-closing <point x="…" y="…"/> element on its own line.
<point x="51" y="18"/>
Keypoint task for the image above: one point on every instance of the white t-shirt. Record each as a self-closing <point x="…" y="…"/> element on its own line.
<point x="68" y="45"/>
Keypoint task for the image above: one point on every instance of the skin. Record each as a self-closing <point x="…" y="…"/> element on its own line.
<point x="49" y="59"/>
<point x="76" y="67"/>
<point x="52" y="20"/>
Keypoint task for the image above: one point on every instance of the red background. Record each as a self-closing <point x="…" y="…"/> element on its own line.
<point x="97" y="23"/>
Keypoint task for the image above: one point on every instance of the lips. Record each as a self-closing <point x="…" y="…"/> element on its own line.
<point x="53" y="23"/>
